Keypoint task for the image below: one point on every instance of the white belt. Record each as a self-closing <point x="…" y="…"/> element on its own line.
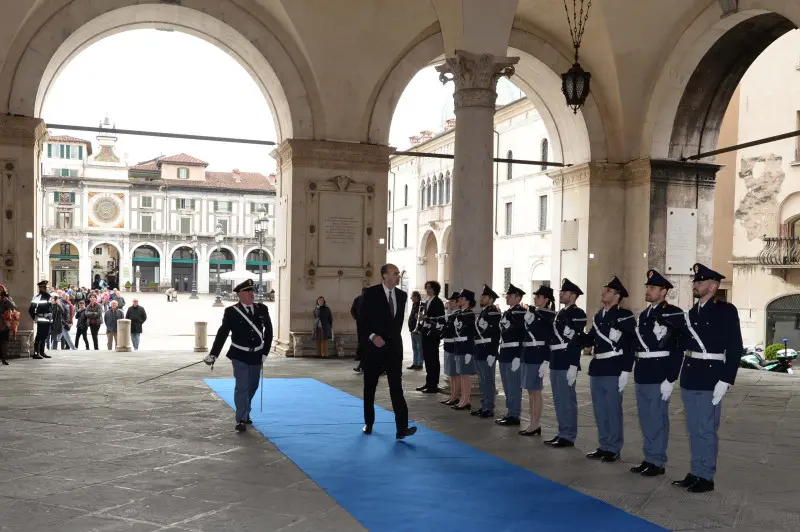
<point x="556" y="347"/>
<point x="248" y="349"/>
<point x="447" y="340"/>
<point x="534" y="343"/>
<point x="607" y="354"/>
<point x="460" y="338"/>
<point x="706" y="356"/>
<point x="509" y="344"/>
<point x="652" y="354"/>
<point x="482" y="341"/>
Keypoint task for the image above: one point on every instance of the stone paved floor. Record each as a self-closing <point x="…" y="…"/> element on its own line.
<point x="82" y="448"/>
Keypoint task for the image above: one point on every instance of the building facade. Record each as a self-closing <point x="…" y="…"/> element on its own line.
<point x="420" y="195"/>
<point x="153" y="224"/>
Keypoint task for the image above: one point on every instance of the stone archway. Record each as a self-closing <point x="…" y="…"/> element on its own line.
<point x="428" y="252"/>
<point x="783" y="321"/>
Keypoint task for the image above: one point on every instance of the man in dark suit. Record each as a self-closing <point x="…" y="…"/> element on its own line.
<point x="380" y="322"/>
<point x="354" y="310"/>
<point x="433" y="311"/>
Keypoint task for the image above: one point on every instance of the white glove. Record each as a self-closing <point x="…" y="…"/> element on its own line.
<point x="623" y="380"/>
<point x="209" y="360"/>
<point x="490" y="360"/>
<point x="614" y="335"/>
<point x="572" y="375"/>
<point x="515" y="364"/>
<point x="568" y="333"/>
<point x="468" y="359"/>
<point x="666" y="389"/>
<point x="719" y="391"/>
<point x="542" y="368"/>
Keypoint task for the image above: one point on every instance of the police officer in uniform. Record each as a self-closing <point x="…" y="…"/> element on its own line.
<point x="464" y="346"/>
<point x="535" y="354"/>
<point x="611" y="335"/>
<point x="487" y="340"/>
<point x="658" y="362"/>
<point x="41" y="312"/>
<point x="447" y="331"/>
<point x="512" y="334"/>
<point x="565" y="361"/>
<point x="250" y="328"/>
<point x="713" y="344"/>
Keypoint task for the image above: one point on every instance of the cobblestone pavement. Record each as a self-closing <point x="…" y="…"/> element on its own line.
<point x="82" y="447"/>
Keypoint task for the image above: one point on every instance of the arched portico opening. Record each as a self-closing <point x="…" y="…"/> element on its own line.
<point x="146" y="266"/>
<point x="429" y="251"/>
<point x="64" y="264"/>
<point x="259" y="262"/>
<point x="783" y="321"/>
<point x="184" y="268"/>
<point x="219" y="262"/>
<point x="105" y="265"/>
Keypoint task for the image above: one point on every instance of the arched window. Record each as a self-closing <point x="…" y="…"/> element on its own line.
<point x="428" y="195"/>
<point x="405" y="195"/>
<point x="441" y="190"/>
<point x="422" y="195"/>
<point x="509" y="168"/>
<point x="447" y="188"/>
<point x="545" y="153"/>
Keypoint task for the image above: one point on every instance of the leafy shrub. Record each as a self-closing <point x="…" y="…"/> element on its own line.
<point x="771" y="352"/>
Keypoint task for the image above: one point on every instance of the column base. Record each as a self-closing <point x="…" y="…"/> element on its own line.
<point x="301" y="344"/>
<point x="125" y="349"/>
<point x="200" y="349"/>
<point x="21" y="345"/>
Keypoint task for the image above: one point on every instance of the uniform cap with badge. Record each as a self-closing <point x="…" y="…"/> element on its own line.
<point x="569" y="286"/>
<point x="545" y="291"/>
<point x="469" y="295"/>
<point x="704" y="273"/>
<point x="245" y="286"/>
<point x="453" y="297"/>
<point x="616" y="284"/>
<point x="487" y="291"/>
<point x="514" y="291"/>
<point x="656" y="279"/>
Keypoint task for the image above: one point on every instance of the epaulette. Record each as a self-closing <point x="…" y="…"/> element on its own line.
<point x="663" y="304"/>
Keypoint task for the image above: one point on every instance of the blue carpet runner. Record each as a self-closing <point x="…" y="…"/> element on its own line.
<point x="428" y="482"/>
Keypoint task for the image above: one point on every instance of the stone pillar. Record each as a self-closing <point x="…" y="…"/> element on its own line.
<point x="20" y="204"/>
<point x="441" y="261"/>
<point x="84" y="264"/>
<point x="123" y="335"/>
<point x="200" y="336"/>
<point x="125" y="270"/>
<point x="475" y="77"/>
<point x="331" y="222"/>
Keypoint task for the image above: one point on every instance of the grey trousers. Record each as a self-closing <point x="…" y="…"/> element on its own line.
<point x="247" y="378"/>
<point x="512" y="386"/>
<point x="607" y="402"/>
<point x="566" y="402"/>
<point x="654" y="420"/>
<point x="486" y="375"/>
<point x="702" y="423"/>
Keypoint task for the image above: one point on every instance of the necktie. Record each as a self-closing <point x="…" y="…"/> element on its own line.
<point x="249" y="311"/>
<point x="391" y="303"/>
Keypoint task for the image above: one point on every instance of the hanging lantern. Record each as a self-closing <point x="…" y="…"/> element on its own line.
<point x="575" y="82"/>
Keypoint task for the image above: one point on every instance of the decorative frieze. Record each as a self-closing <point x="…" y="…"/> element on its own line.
<point x="332" y="155"/>
<point x="475" y="77"/>
<point x="587" y="175"/>
<point x="22" y="131"/>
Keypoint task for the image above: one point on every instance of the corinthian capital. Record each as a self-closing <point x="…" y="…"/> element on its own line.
<point x="475" y="77"/>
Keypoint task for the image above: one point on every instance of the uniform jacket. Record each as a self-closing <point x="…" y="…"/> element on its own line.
<point x="568" y="326"/>
<point x="487" y="327"/>
<point x="447" y="331"/>
<point x="244" y="335"/>
<point x="659" y="329"/>
<point x="512" y="334"/>
<point x="433" y="319"/>
<point x="40" y="309"/>
<point x="375" y="318"/>
<point x="464" y="328"/>
<point x="613" y="332"/>
<point x="717" y="327"/>
<point x="538" y="330"/>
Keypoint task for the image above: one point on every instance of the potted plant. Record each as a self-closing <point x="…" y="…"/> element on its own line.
<point x="127" y="286"/>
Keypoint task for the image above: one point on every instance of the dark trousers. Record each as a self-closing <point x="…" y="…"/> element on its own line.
<point x="375" y="361"/>
<point x="42" y="336"/>
<point x="5" y="334"/>
<point x="82" y="334"/>
<point x="93" y="329"/>
<point x="430" y="353"/>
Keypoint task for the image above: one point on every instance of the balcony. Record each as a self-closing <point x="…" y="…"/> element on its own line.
<point x="780" y="252"/>
<point x="435" y="214"/>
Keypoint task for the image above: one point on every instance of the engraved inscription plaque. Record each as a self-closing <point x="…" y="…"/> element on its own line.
<point x="341" y="228"/>
<point x="681" y="252"/>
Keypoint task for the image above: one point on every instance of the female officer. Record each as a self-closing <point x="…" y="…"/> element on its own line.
<point x="538" y="328"/>
<point x="464" y="347"/>
<point x="448" y="334"/>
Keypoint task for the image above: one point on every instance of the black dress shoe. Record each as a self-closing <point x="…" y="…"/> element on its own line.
<point x="508" y="421"/>
<point x="412" y="366"/>
<point x="702" y="486"/>
<point x="486" y="413"/>
<point x="641" y="467"/>
<point x="534" y="432"/>
<point x="686" y="482"/>
<point x="465" y="407"/>
<point x="358" y="369"/>
<point x="610" y="458"/>
<point x="408" y="431"/>
<point x="37" y="357"/>
<point x="366" y="429"/>
<point x="249" y="421"/>
<point x="561" y="442"/>
<point x="551" y="441"/>
<point x="241" y="426"/>
<point x="423" y="388"/>
<point x="46" y="356"/>
<point x="450" y="402"/>
<point x="598" y="454"/>
<point x="653" y="471"/>
<point x="477" y="412"/>
<point x="3" y="361"/>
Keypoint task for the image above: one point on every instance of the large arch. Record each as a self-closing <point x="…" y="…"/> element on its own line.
<point x="269" y="254"/>
<point x="151" y="244"/>
<point x="700" y="75"/>
<point x="575" y="138"/>
<point x="211" y="249"/>
<point x="57" y="33"/>
<point x="97" y="243"/>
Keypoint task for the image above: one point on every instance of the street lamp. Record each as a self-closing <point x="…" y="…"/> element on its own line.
<point x="261" y="229"/>
<point x="194" y="268"/>
<point x="218" y="239"/>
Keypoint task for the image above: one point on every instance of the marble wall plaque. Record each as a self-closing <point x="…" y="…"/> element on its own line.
<point x="681" y="252"/>
<point x="341" y="227"/>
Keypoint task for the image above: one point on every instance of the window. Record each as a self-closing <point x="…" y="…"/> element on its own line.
<point x="388" y="238"/>
<point x="183" y="173"/>
<point x="183" y="203"/>
<point x="64" y="172"/>
<point x="441" y="189"/>
<point x="64" y="220"/>
<point x="64" y="198"/>
<point x="66" y="249"/>
<point x="545" y="148"/>
<point x="405" y="235"/>
<point x="223" y="206"/>
<point x="434" y="192"/>
<point x="98" y="250"/>
<point x="146" y="202"/>
<point x="506" y="278"/>
<point x="509" y="167"/>
<point x="147" y="224"/>
<point x="223" y="224"/>
<point x="186" y="225"/>
<point x="447" y="188"/>
<point x="509" y="217"/>
<point x="422" y="195"/>
<point x="428" y="195"/>
<point x="405" y="196"/>
<point x="543" y="213"/>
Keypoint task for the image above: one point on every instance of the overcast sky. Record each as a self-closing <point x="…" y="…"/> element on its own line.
<point x="172" y="82"/>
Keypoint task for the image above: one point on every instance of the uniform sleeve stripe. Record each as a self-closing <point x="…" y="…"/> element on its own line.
<point x="625" y="318"/>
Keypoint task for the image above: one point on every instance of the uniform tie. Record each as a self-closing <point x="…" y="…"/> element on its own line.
<point x="249" y="311"/>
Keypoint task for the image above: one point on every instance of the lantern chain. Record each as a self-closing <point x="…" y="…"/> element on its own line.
<point x="577" y="23"/>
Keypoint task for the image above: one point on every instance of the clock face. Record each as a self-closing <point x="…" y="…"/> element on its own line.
<point x="106" y="210"/>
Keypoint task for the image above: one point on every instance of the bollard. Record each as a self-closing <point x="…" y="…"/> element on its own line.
<point x="123" y="335"/>
<point x="200" y="336"/>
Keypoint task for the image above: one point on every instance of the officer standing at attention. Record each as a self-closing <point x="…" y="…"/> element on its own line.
<point x="565" y="361"/>
<point x="512" y="334"/>
<point x="464" y="346"/>
<point x="536" y="353"/>
<point x="487" y="340"/>
<point x="41" y="312"/>
<point x="251" y="338"/>
<point x="658" y="362"/>
<point x="612" y="334"/>
<point x="447" y="330"/>
<point x="713" y="344"/>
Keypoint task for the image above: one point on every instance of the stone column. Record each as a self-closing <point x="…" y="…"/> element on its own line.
<point x="441" y="261"/>
<point x="84" y="264"/>
<point x="475" y="77"/>
<point x="123" y="335"/>
<point x="331" y="220"/>
<point x="200" y="336"/>
<point x="20" y="146"/>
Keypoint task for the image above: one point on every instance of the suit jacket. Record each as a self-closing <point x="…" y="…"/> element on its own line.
<point x="433" y="319"/>
<point x="375" y="318"/>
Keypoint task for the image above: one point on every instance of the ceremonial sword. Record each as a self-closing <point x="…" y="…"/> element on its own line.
<point x="174" y="370"/>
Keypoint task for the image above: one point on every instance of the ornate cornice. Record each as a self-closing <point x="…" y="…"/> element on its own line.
<point x="587" y="175"/>
<point x="333" y="155"/>
<point x="475" y="77"/>
<point x="672" y="172"/>
<point x="636" y="173"/>
<point x="22" y="131"/>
